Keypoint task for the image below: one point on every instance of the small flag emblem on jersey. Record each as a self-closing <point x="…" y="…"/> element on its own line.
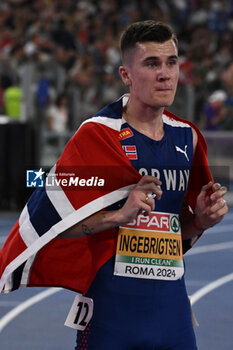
<point x="35" y="178"/>
<point x="131" y="152"/>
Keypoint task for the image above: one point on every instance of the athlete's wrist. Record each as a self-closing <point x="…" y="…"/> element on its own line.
<point x="199" y="227"/>
<point x="115" y="218"/>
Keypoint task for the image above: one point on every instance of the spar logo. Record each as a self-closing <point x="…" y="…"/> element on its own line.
<point x="175" y="224"/>
<point x="155" y="221"/>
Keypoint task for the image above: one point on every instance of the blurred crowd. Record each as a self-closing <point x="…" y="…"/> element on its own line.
<point x="59" y="59"/>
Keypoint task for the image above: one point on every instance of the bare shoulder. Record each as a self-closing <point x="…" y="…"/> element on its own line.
<point x="195" y="139"/>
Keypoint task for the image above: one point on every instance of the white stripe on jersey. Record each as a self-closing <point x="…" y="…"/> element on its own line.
<point x="112" y="123"/>
<point x="175" y="123"/>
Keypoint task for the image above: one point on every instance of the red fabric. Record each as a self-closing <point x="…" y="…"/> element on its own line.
<point x="96" y="149"/>
<point x="73" y="263"/>
<point x="88" y="254"/>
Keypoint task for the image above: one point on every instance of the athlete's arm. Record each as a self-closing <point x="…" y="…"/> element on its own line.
<point x="210" y="207"/>
<point x="138" y="201"/>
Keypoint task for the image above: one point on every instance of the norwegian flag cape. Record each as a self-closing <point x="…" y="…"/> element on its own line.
<point x="33" y="255"/>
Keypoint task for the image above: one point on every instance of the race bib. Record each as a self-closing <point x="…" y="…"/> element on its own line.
<point x="150" y="247"/>
<point x="80" y="313"/>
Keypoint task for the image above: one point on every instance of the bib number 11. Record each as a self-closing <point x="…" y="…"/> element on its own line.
<point x="80" y="313"/>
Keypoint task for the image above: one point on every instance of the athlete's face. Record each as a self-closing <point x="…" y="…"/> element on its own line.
<point x="152" y="73"/>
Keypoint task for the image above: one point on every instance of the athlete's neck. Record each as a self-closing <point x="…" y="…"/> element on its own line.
<point x="145" y="119"/>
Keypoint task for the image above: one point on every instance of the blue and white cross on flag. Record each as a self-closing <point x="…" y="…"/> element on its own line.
<point x="35" y="178"/>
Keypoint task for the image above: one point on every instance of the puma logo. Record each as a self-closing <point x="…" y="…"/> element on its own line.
<point x="183" y="151"/>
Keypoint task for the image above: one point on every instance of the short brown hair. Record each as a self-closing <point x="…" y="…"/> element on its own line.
<point x="145" y="31"/>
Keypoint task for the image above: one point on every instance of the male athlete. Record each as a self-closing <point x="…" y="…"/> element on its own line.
<point x="140" y="299"/>
<point x="129" y="235"/>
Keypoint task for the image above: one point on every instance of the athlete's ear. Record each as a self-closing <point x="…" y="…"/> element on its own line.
<point x="125" y="76"/>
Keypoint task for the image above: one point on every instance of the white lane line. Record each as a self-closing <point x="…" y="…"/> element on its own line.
<point x="25" y="305"/>
<point x="210" y="287"/>
<point x="217" y="283"/>
<point x="209" y="248"/>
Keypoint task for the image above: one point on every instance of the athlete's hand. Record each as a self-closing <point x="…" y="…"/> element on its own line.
<point x="140" y="199"/>
<point x="210" y="208"/>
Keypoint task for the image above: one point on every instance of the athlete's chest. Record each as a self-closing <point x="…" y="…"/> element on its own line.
<point x="169" y="159"/>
